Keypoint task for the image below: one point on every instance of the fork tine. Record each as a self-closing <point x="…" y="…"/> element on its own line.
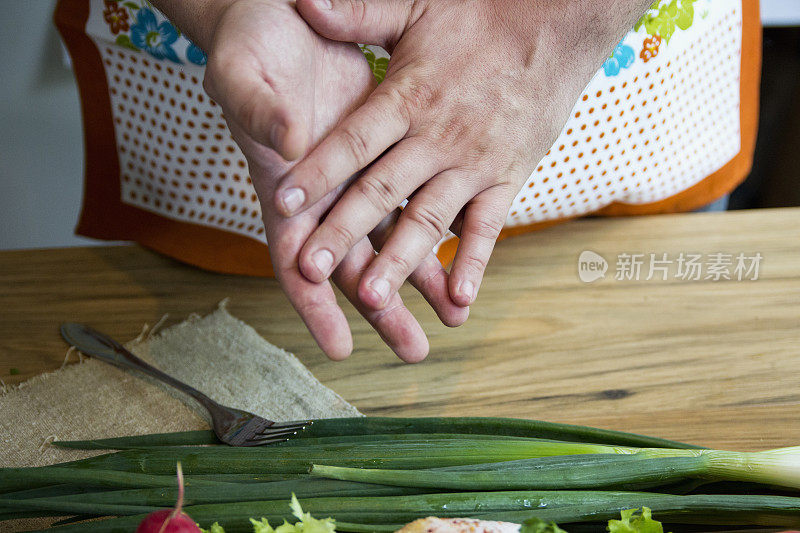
<point x="268" y="440"/>
<point x="282" y="429"/>
<point x="279" y="433"/>
<point x="294" y="423"/>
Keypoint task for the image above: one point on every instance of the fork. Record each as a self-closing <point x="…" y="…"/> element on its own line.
<point x="232" y="426"/>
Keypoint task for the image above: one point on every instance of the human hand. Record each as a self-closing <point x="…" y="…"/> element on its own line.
<point x="282" y="87"/>
<point x="474" y="95"/>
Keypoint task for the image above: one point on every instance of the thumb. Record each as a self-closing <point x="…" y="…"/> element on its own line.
<point x="379" y="22"/>
<point x="255" y="107"/>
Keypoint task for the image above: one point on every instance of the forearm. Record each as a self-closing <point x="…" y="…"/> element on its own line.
<point x="604" y="24"/>
<point x="572" y="37"/>
<point x="196" y="18"/>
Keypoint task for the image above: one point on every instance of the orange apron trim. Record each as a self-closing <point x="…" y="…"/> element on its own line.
<point x="105" y="216"/>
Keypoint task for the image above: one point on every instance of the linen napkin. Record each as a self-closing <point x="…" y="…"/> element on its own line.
<point x="217" y="354"/>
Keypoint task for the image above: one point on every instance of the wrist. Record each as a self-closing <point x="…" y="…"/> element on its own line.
<point x="197" y="19"/>
<point x="583" y="34"/>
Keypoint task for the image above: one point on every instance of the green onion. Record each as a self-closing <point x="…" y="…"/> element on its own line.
<point x="148" y="441"/>
<point x="780" y="467"/>
<point x="290" y="460"/>
<point x="305" y="488"/>
<point x="339" y="427"/>
<point x="593" y="471"/>
<point x="247" y="478"/>
<point x="385" y="472"/>
<point x="62" y="507"/>
<point x="182" y="438"/>
<point x="15" y="479"/>
<point x="16" y="515"/>
<point x="47" y="492"/>
<point x="561" y="506"/>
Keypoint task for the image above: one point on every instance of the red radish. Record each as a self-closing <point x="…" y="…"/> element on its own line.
<point x="170" y="520"/>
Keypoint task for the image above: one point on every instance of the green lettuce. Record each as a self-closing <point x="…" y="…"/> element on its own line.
<point x="536" y="525"/>
<point x="632" y="522"/>
<point x="306" y="524"/>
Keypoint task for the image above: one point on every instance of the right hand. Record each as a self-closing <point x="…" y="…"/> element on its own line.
<point x="282" y="88"/>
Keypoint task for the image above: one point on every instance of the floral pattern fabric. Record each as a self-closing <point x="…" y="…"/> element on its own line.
<point x="150" y="32"/>
<point x="644" y="129"/>
<point x="116" y="17"/>
<point x="156" y="39"/>
<point x="659" y="23"/>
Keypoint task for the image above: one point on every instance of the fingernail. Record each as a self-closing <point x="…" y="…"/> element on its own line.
<point x="323" y="260"/>
<point x="276" y="134"/>
<point x="325" y="4"/>
<point x="467" y="288"/>
<point x="381" y="288"/>
<point x="292" y="199"/>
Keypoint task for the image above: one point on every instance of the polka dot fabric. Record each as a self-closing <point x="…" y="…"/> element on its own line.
<point x="177" y="157"/>
<point x="661" y="115"/>
<point x="646" y="135"/>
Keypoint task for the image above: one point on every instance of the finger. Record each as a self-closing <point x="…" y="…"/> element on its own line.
<point x="378" y="22"/>
<point x="395" y="323"/>
<point x="483" y="220"/>
<point x="367" y="201"/>
<point x="250" y="101"/>
<point x="421" y="225"/>
<point x="429" y="278"/>
<point x="315" y="302"/>
<point x="357" y="141"/>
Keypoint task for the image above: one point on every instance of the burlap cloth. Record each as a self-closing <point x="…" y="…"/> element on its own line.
<point x="217" y="354"/>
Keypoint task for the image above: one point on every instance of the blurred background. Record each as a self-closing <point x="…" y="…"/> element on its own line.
<point x="41" y="147"/>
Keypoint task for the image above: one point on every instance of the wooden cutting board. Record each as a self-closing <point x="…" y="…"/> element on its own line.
<point x="716" y="363"/>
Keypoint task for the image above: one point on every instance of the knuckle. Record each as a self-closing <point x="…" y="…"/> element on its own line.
<point x="452" y="130"/>
<point x="307" y="304"/>
<point x="476" y="263"/>
<point x="208" y="84"/>
<point x="389" y="96"/>
<point x="486" y="227"/>
<point x="399" y="264"/>
<point x="285" y="242"/>
<point x="411" y="95"/>
<point x="216" y="72"/>
<point x="431" y="223"/>
<point x="341" y="236"/>
<point x="482" y="153"/>
<point x="425" y="275"/>
<point x="421" y="95"/>
<point x="357" y="145"/>
<point x="246" y="114"/>
<point x="319" y="179"/>
<point x="385" y="315"/>
<point x="379" y="193"/>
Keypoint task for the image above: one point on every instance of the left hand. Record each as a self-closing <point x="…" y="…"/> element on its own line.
<point x="271" y="73"/>
<point x="475" y="93"/>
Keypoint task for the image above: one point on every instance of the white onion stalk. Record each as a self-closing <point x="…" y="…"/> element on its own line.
<point x="780" y="466"/>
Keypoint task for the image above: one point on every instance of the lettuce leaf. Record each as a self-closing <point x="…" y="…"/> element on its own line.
<point x="632" y="522"/>
<point x="537" y="525"/>
<point x="307" y="523"/>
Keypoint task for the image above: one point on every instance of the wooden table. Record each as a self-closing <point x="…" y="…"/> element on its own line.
<point x="712" y="362"/>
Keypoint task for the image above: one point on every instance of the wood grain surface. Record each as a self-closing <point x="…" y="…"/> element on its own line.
<point x="712" y="362"/>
